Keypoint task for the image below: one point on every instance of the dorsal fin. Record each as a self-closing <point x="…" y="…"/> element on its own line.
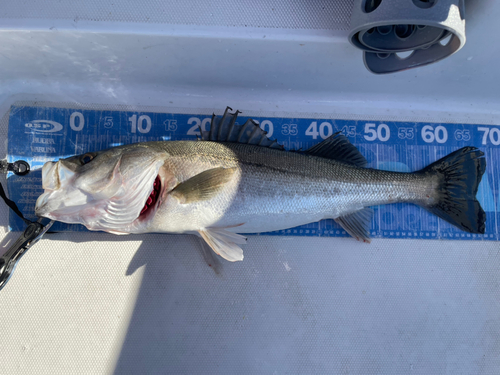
<point x="338" y="147"/>
<point x="225" y="129"/>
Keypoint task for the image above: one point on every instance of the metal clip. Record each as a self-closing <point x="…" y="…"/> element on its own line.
<point x="31" y="235"/>
<point x="19" y="167"/>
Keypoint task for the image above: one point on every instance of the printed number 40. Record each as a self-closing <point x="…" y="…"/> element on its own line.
<point x="325" y="130"/>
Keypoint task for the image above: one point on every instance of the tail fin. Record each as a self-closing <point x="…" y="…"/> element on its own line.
<point x="460" y="172"/>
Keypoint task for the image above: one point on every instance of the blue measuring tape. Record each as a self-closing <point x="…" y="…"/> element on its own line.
<point x="40" y="134"/>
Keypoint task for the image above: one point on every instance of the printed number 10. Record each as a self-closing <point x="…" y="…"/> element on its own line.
<point x="143" y="124"/>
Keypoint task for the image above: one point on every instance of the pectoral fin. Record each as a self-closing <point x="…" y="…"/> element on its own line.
<point x="357" y="224"/>
<point x="203" y="186"/>
<point x="224" y="243"/>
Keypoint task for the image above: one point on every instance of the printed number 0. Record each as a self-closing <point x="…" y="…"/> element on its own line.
<point x="72" y="121"/>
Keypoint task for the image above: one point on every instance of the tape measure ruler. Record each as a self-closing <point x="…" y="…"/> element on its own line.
<point x="40" y="134"/>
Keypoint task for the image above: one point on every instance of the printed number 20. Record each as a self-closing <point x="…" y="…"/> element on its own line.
<point x="373" y="132"/>
<point x="198" y="123"/>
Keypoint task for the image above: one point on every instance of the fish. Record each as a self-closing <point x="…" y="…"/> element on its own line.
<point x="235" y="180"/>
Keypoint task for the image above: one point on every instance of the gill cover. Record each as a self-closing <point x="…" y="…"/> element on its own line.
<point x="106" y="193"/>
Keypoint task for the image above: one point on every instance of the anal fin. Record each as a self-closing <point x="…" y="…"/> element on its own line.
<point x="224" y="243"/>
<point x="357" y="224"/>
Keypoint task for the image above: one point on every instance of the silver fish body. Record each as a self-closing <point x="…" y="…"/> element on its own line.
<point x="233" y="185"/>
<point x="273" y="190"/>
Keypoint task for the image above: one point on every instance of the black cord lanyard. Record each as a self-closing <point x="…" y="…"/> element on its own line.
<point x="33" y="232"/>
<point x="19" y="168"/>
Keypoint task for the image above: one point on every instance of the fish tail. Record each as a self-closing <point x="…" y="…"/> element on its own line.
<point x="459" y="176"/>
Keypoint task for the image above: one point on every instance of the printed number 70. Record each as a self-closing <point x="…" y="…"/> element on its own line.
<point x="494" y="135"/>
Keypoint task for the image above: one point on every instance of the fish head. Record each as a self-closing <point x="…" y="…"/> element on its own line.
<point x="116" y="190"/>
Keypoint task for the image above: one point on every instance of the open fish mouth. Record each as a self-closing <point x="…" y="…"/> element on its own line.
<point x="153" y="197"/>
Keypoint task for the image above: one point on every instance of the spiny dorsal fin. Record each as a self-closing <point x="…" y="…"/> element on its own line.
<point x="203" y="186"/>
<point x="225" y="129"/>
<point x="357" y="224"/>
<point x="338" y="147"/>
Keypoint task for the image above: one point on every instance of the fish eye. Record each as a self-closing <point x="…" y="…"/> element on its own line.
<point x="86" y="158"/>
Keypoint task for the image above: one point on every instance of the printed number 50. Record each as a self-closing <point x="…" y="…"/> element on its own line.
<point x="373" y="132"/>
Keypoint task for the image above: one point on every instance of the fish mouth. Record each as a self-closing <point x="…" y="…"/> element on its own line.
<point x="153" y="197"/>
